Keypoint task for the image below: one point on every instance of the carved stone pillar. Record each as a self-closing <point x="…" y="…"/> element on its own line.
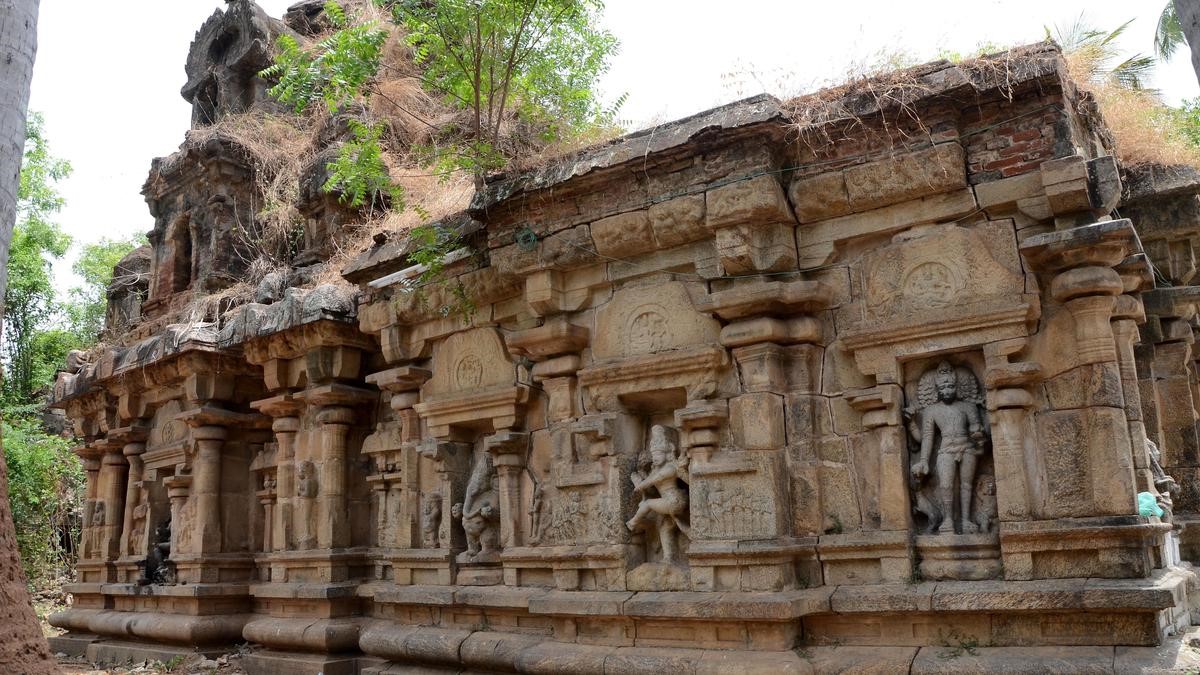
<point x="286" y="411"/>
<point x="266" y="498"/>
<point x="133" y="455"/>
<point x="508" y="450"/>
<point x="380" y="510"/>
<point x="1083" y="470"/>
<point x="881" y="406"/>
<point x="399" y="525"/>
<point x="1008" y="403"/>
<point x="1080" y="263"/>
<point x="554" y="348"/>
<point x="1168" y="396"/>
<point x="91" y="465"/>
<point x="699" y="427"/>
<point x="112" y="497"/>
<point x="452" y="463"/>
<point x="178" y="488"/>
<point x="283" y="531"/>
<point x="206" y="486"/>
<point x="333" y="529"/>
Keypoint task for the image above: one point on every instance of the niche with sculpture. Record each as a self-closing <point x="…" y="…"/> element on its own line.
<point x="951" y="477"/>
<point x="479" y="511"/>
<point x="157" y="568"/>
<point x="661" y="489"/>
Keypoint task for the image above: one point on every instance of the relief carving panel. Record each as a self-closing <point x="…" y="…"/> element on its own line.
<point x="468" y="361"/>
<point x="949" y="265"/>
<point x="642" y="320"/>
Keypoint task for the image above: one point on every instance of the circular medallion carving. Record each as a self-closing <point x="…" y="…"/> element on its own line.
<point x="469" y="372"/>
<point x="173" y="431"/>
<point x="648" y="331"/>
<point x="931" y="284"/>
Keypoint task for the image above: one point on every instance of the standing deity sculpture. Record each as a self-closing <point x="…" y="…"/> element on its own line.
<point x="479" y="512"/>
<point x="664" y="494"/>
<point x="137" y="529"/>
<point x="98" y="514"/>
<point x="949" y="427"/>
<point x="537" y="515"/>
<point x="306" y="490"/>
<point x="431" y="520"/>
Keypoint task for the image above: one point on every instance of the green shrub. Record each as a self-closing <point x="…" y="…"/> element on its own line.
<point x="45" y="481"/>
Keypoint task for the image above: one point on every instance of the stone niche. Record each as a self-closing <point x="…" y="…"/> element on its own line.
<point x="951" y="475"/>
<point x="473" y="411"/>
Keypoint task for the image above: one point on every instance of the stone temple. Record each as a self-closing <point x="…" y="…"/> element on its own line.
<point x="756" y="391"/>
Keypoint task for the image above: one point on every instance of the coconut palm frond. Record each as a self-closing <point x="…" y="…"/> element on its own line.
<point x="1133" y="72"/>
<point x="1168" y="35"/>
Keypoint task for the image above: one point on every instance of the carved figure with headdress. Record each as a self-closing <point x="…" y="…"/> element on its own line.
<point x="664" y="494"/>
<point x="948" y="425"/>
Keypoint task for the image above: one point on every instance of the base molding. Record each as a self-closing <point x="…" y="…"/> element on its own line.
<point x="827" y="629"/>
<point x="74" y="645"/>
<point x="272" y="662"/>
<point x="120" y="652"/>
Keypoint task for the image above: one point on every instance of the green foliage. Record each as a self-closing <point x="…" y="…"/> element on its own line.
<point x="45" y="480"/>
<point x="1099" y="50"/>
<point x="538" y="58"/>
<point x="28" y="304"/>
<point x="337" y="71"/>
<point x="359" y="173"/>
<point x="85" y="312"/>
<point x="981" y="49"/>
<point x="430" y="246"/>
<point x="37" y="198"/>
<point x="1186" y="120"/>
<point x="1168" y="33"/>
<point x="956" y="643"/>
<point x="44" y="477"/>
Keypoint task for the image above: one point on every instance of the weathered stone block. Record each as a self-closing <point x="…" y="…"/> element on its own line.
<point x="678" y="221"/>
<point x="1094" y="384"/>
<point x="896" y="179"/>
<point x="754" y="201"/>
<point x="819" y="197"/>
<point x="765" y="247"/>
<point x="624" y="234"/>
<point x="756" y="421"/>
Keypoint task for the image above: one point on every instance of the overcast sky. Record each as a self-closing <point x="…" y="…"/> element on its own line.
<point x="108" y="75"/>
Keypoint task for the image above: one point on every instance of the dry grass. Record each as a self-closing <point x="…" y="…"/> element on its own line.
<point x="430" y="199"/>
<point x="282" y="148"/>
<point x="875" y="101"/>
<point x="1143" y="129"/>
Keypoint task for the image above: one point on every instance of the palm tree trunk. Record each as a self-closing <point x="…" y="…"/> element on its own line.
<point x="23" y="648"/>
<point x="1188" y="12"/>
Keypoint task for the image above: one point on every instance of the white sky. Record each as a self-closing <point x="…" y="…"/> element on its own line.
<point x="107" y="76"/>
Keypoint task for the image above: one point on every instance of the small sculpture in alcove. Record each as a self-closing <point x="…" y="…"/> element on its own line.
<point x="664" y="494"/>
<point x="158" y="568"/>
<point x="948" y="424"/>
<point x="137" y="529"/>
<point x="985" y="503"/>
<point x="479" y="512"/>
<point x="307" y="488"/>
<point x="537" y="515"/>
<point x="431" y="520"/>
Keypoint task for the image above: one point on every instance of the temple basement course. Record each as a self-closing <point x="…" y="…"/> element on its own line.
<point x="906" y="388"/>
